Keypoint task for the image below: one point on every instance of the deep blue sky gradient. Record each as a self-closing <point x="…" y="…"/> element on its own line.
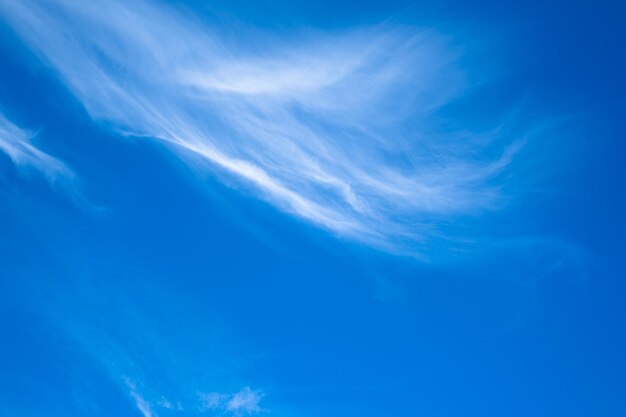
<point x="207" y="289"/>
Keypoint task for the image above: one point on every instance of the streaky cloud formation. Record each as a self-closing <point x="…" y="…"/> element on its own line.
<point x="148" y="408"/>
<point x="141" y="403"/>
<point x="244" y="402"/>
<point x="17" y="144"/>
<point x="334" y="127"/>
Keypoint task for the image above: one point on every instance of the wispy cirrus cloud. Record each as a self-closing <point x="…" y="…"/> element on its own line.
<point x="17" y="144"/>
<point x="244" y="402"/>
<point x="142" y="405"/>
<point x="333" y="127"/>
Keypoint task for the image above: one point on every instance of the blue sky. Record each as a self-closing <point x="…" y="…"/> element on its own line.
<point x="312" y="209"/>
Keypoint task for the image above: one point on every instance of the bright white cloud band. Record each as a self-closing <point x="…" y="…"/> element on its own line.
<point x="332" y="127"/>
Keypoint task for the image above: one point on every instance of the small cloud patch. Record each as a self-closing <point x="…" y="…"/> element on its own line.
<point x="242" y="403"/>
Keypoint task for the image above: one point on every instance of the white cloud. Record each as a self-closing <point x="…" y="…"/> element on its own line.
<point x="244" y="402"/>
<point x="144" y="407"/>
<point x="17" y="144"/>
<point x="169" y="405"/>
<point x="336" y="128"/>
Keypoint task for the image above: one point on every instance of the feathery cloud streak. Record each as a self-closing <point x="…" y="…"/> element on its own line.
<point x="144" y="407"/>
<point x="332" y="127"/>
<point x="16" y="144"/>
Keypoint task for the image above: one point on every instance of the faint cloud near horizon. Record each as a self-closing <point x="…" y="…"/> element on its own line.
<point x="244" y="402"/>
